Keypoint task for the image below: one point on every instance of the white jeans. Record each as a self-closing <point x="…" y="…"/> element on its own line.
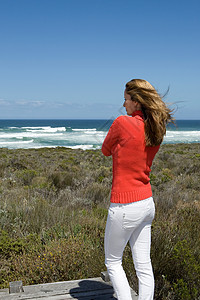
<point x="130" y="222"/>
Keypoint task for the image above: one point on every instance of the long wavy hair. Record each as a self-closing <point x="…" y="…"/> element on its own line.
<point x="156" y="113"/>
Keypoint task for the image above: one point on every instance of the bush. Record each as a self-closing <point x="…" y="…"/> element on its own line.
<point x="26" y="176"/>
<point x="97" y="193"/>
<point x="9" y="246"/>
<point x="61" y="179"/>
<point x="55" y="200"/>
<point x="185" y="271"/>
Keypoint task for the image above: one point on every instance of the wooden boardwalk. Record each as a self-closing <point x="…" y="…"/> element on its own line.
<point x="85" y="289"/>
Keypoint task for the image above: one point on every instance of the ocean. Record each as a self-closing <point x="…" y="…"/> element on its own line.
<point x="83" y="134"/>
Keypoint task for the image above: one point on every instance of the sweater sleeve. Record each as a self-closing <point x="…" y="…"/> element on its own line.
<point x="111" y="140"/>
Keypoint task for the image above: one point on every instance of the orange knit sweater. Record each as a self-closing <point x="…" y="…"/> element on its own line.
<point x="132" y="160"/>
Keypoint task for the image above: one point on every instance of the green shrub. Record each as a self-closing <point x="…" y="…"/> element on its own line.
<point x="185" y="268"/>
<point x="61" y="179"/>
<point x="103" y="172"/>
<point x="97" y="193"/>
<point x="181" y="290"/>
<point x="40" y="182"/>
<point x="26" y="176"/>
<point x="15" y="246"/>
<point x="167" y="175"/>
<point x="9" y="246"/>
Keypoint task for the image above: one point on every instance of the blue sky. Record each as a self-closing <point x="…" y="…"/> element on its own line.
<point x="71" y="59"/>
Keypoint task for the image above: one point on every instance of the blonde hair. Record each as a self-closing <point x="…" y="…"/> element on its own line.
<point x="156" y="113"/>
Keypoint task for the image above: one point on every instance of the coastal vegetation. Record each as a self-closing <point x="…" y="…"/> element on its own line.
<point x="53" y="210"/>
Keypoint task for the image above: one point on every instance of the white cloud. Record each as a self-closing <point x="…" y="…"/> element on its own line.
<point x="4" y="102"/>
<point x="37" y="103"/>
<point x="22" y="102"/>
<point x="30" y="103"/>
<point x="56" y="104"/>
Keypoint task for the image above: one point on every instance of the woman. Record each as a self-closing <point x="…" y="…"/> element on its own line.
<point x="133" y="143"/>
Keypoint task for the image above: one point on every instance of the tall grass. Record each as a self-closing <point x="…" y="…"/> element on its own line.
<point x="53" y="210"/>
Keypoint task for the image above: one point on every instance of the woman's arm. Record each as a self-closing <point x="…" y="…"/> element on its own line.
<point x="111" y="139"/>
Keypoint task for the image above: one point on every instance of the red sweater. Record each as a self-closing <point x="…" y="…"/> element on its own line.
<point x="132" y="160"/>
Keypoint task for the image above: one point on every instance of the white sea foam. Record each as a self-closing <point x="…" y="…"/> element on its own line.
<point x="182" y="136"/>
<point x="83" y="147"/>
<point x="44" y="129"/>
<point x="82" y="129"/>
<point x="16" y="142"/>
<point x="28" y="134"/>
<point x="83" y="138"/>
<point x="34" y="127"/>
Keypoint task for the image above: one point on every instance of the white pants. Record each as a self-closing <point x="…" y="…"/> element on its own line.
<point x="130" y="222"/>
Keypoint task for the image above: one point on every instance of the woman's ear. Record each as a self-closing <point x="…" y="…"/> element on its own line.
<point x="137" y="105"/>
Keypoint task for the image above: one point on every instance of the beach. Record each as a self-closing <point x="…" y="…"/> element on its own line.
<point x="53" y="210"/>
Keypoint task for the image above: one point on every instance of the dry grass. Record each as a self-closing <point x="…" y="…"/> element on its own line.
<point x="53" y="209"/>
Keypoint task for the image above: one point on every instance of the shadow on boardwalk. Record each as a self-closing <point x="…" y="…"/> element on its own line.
<point x="92" y="290"/>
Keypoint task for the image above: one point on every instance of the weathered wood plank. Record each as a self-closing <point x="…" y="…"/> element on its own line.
<point x="85" y="289"/>
<point x="16" y="287"/>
